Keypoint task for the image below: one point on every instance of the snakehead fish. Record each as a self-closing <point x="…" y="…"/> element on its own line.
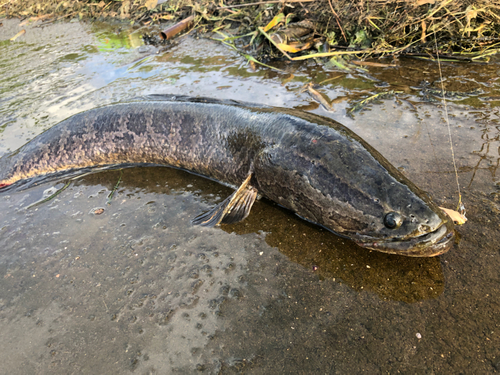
<point x="307" y="163"/>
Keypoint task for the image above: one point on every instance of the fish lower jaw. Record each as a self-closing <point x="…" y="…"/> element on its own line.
<point x="427" y="245"/>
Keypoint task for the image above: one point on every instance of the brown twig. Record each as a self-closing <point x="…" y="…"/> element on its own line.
<point x="374" y="64"/>
<point x="337" y="19"/>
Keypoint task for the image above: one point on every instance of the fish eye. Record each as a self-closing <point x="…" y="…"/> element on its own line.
<point x="393" y="220"/>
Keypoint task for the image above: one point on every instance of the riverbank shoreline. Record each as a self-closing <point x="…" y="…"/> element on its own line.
<point x="304" y="29"/>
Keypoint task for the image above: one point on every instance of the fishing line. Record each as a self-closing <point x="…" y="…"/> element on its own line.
<point x="460" y="206"/>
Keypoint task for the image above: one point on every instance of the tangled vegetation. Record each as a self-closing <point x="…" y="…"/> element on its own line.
<point x="466" y="30"/>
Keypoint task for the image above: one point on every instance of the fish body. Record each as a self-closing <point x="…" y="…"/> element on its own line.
<point x="309" y="164"/>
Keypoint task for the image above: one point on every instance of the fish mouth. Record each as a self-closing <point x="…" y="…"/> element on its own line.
<point x="426" y="245"/>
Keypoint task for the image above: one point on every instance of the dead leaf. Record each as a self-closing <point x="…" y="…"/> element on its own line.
<point x="97" y="211"/>
<point x="22" y="32"/>
<point x="423" y="2"/>
<point x="276" y="20"/>
<point x="470" y="14"/>
<point x="151" y="4"/>
<point x="292" y="32"/>
<point x="457" y="217"/>
<point x="294" y="47"/>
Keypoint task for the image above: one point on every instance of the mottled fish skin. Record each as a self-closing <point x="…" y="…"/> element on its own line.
<point x="309" y="164"/>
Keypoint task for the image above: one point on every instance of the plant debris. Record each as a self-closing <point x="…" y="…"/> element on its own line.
<point x="466" y="31"/>
<point x="363" y="103"/>
<point x="22" y="32"/>
<point x="319" y="97"/>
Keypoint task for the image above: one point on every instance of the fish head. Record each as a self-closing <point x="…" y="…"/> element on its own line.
<point x="381" y="209"/>
<point x="405" y="221"/>
<point x="343" y="184"/>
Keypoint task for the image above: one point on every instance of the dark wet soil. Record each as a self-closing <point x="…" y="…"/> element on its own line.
<point x="135" y="288"/>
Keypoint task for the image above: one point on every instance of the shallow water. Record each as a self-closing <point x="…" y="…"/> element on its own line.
<point x="136" y="288"/>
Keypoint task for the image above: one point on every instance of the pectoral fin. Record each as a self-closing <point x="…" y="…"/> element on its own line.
<point x="233" y="209"/>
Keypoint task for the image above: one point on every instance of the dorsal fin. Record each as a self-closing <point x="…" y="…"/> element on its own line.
<point x="200" y="99"/>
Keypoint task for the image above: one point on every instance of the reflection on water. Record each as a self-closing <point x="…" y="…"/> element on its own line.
<point x="135" y="287"/>
<point x="331" y="257"/>
<point x="391" y="277"/>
